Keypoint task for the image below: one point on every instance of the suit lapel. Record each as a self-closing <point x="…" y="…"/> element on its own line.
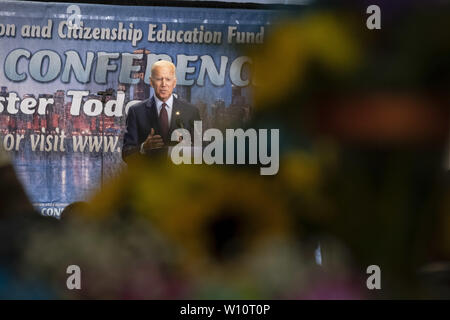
<point x="153" y="115"/>
<point x="176" y="121"/>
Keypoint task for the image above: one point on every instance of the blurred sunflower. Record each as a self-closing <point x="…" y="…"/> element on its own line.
<point x="324" y="38"/>
<point x="303" y="177"/>
<point x="215" y="215"/>
<point x="230" y="231"/>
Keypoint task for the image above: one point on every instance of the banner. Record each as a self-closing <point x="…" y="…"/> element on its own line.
<point x="70" y="72"/>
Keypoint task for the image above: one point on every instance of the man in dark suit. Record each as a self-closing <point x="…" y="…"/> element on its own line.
<point x="150" y="123"/>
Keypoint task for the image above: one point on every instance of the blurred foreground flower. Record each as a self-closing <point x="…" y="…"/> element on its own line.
<point x="281" y="66"/>
<point x="166" y="231"/>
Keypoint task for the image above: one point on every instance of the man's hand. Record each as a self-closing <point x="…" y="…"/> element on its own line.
<point x="153" y="141"/>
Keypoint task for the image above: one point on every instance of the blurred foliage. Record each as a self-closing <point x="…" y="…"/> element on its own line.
<point x="203" y="232"/>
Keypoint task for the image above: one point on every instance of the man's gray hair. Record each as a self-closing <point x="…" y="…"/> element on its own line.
<point x="163" y="63"/>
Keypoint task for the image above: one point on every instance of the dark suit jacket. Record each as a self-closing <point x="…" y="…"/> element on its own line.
<point x="142" y="117"/>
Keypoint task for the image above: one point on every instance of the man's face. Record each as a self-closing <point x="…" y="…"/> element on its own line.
<point x="163" y="82"/>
